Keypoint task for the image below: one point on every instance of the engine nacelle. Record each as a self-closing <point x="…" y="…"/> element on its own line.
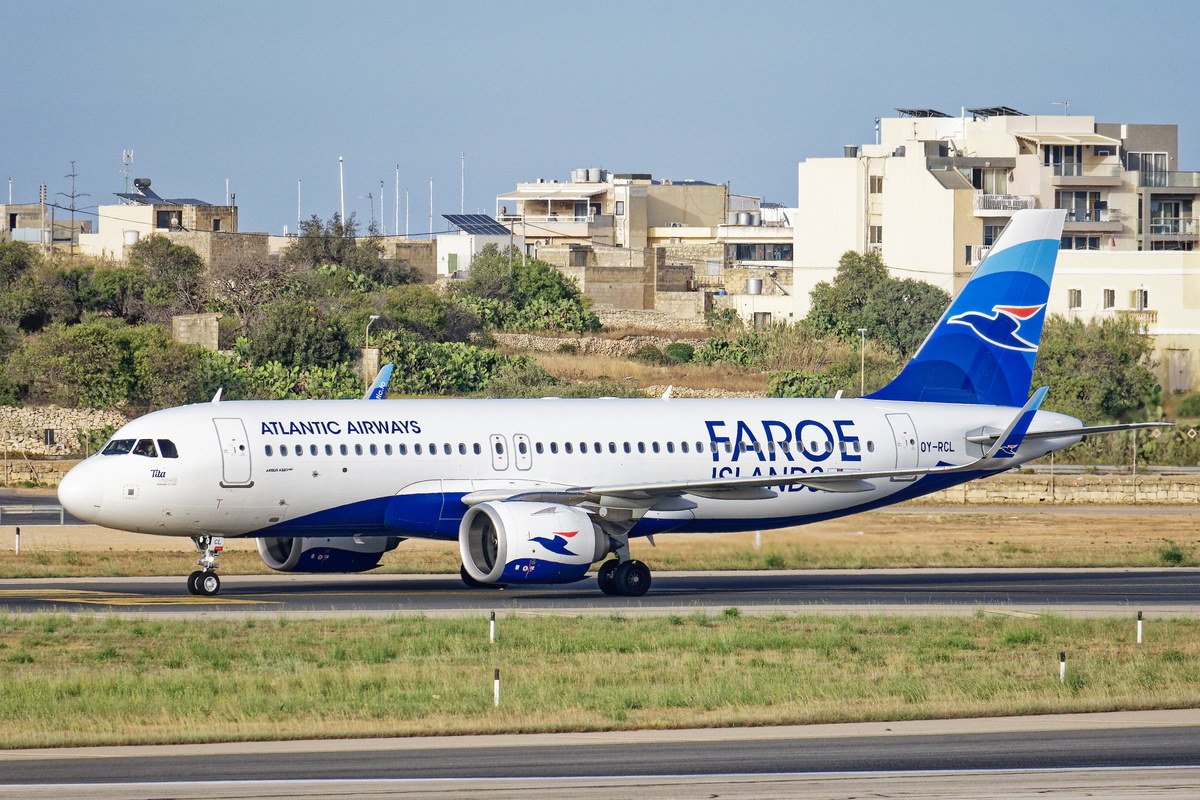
<point x="341" y="554"/>
<point x="521" y="542"/>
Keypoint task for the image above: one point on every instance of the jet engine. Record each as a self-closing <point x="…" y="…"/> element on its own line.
<point x="524" y="542"/>
<point x="341" y="554"/>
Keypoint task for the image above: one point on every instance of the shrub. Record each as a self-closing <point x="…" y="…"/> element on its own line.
<point x="1189" y="406"/>
<point x="681" y="352"/>
<point x="648" y="354"/>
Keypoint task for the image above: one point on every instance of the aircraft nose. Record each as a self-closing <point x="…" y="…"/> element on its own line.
<point x="81" y="491"/>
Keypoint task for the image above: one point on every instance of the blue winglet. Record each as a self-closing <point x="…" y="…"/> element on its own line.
<point x="378" y="389"/>
<point x="983" y="348"/>
<point x="1006" y="446"/>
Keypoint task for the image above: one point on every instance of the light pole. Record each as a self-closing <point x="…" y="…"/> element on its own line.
<point x="862" y="362"/>
<point x="342" y="189"/>
<point x="368" y="337"/>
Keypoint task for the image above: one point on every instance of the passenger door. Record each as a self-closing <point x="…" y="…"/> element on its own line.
<point x="499" y="447"/>
<point x="235" y="452"/>
<point x="523" y="454"/>
<point x="905" y="435"/>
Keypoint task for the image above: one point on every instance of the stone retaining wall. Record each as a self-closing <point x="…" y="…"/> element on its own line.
<point x="1042" y="489"/>
<point x="43" y="473"/>
<point x="587" y="345"/>
<point x="23" y="429"/>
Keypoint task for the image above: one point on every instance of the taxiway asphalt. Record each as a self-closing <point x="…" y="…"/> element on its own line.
<point x="1081" y="592"/>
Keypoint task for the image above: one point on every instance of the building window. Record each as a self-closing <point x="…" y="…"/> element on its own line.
<point x="620" y="208"/>
<point x="990" y="180"/>
<point x="1064" y="158"/>
<point x="1079" y="243"/>
<point x="991" y="233"/>
<point x="876" y="234"/>
<point x="1139" y="299"/>
<point x="759" y="252"/>
<point x="876" y="184"/>
<point x="216" y="225"/>
<point x="1081" y="206"/>
<point x="1146" y="162"/>
<point x="1110" y="298"/>
<point x="1074" y="298"/>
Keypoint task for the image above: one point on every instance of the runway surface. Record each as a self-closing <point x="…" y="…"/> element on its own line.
<point x="1092" y="754"/>
<point x="1172" y="592"/>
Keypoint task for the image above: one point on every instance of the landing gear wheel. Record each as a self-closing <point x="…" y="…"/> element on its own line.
<point x="474" y="584"/>
<point x="604" y="577"/>
<point x="632" y="578"/>
<point x="192" y="581"/>
<point x="208" y="584"/>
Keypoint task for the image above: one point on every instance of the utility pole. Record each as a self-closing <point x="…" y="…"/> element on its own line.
<point x="42" y="203"/>
<point x="382" y="224"/>
<point x="396" y="207"/>
<point x="298" y="206"/>
<point x="371" y="197"/>
<point x="431" y="208"/>
<point x="342" y="189"/>
<point x="462" y="203"/>
<point x="406" y="213"/>
<point x="127" y="160"/>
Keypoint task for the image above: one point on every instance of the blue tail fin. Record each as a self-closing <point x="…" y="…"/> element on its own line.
<point x="983" y="348"/>
<point x="378" y="389"/>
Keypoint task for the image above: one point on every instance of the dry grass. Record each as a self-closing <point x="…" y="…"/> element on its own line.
<point x="96" y="680"/>
<point x="886" y="538"/>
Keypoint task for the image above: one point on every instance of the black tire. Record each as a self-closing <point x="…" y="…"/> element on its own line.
<point x="208" y="584"/>
<point x="605" y="578"/>
<point x="632" y="578"/>
<point x="192" y="582"/>
<point x="474" y="584"/>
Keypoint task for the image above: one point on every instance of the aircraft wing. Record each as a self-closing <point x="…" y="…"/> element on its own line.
<point x="1087" y="430"/>
<point x="997" y="458"/>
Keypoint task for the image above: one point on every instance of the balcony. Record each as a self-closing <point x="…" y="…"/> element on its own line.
<point x="1002" y="205"/>
<point x="1077" y="174"/>
<point x="1169" y="180"/>
<point x="571" y="226"/>
<point x="1174" y="226"/>
<point x="1143" y="316"/>
<point x="1095" y="220"/>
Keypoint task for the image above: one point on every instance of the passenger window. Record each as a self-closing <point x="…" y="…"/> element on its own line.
<point x="462" y="449"/>
<point x="358" y="449"/>
<point x="312" y="449"/>
<point x="783" y="446"/>
<point x="447" y="449"/>
<point x="299" y="450"/>
<point x="432" y="449"/>
<point x="166" y="448"/>
<point x="344" y="451"/>
<point x="641" y="447"/>
<point x="417" y="449"/>
<point x="268" y="449"/>
<point x="670" y="447"/>
<point x="283" y="450"/>
<point x="598" y="448"/>
<point x="521" y="448"/>
<point x="654" y="446"/>
<point x="828" y="446"/>
<point x="628" y="449"/>
<point x="699" y="447"/>
<point x="374" y="450"/>
<point x="683" y="446"/>
<point x="478" y="449"/>
<point x="328" y="449"/>
<point x="538" y="447"/>
<point x="554" y="447"/>
<point x="567" y="447"/>
<point x="728" y="447"/>
<point x="583" y="447"/>
<point x="145" y="447"/>
<point x="387" y="449"/>
<point x="499" y="448"/>
<point x="612" y="447"/>
<point x="117" y="447"/>
<point x="402" y="449"/>
<point x="870" y="447"/>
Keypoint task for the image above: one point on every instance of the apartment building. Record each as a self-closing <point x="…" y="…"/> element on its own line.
<point x="684" y="245"/>
<point x="936" y="190"/>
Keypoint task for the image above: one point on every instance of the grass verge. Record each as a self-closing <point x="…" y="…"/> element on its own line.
<point x="97" y="680"/>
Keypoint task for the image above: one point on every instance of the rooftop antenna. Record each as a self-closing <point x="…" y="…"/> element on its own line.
<point x="298" y="206"/>
<point x="127" y="160"/>
<point x="382" y="224"/>
<point x="397" y="206"/>
<point x="72" y="197"/>
<point x="462" y="203"/>
<point x="342" y="189"/>
<point x="371" y="197"/>
<point x="1066" y="104"/>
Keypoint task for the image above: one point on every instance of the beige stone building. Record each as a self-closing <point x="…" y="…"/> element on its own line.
<point x="34" y="223"/>
<point x="212" y="231"/>
<point x="636" y="242"/>
<point x="936" y="190"/>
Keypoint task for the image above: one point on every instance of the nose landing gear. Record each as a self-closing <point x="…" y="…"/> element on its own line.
<point x="204" y="581"/>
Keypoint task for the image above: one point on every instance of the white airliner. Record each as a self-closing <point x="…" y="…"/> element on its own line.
<point x="536" y="491"/>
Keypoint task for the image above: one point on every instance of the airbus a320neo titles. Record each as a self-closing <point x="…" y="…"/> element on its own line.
<point x="537" y="491"/>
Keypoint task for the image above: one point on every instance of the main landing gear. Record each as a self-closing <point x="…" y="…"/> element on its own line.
<point x="204" y="581"/>
<point x="629" y="578"/>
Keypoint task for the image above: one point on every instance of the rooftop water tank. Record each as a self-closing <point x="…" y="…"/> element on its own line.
<point x="753" y="285"/>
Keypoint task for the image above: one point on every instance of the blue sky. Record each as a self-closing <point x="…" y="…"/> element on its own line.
<point x="266" y="94"/>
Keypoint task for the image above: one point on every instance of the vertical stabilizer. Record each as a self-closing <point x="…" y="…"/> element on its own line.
<point x="983" y="348"/>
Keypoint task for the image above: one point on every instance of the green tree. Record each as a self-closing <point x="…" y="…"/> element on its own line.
<point x="16" y="258"/>
<point x="1096" y="371"/>
<point x="838" y="307"/>
<point x="80" y="365"/>
<point x="899" y="314"/>
<point x="296" y="333"/>
<point x="176" y="274"/>
<point x="337" y="243"/>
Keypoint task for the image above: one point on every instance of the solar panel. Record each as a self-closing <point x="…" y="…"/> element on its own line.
<point x="476" y="223"/>
<point x="921" y="112"/>
<point x="996" y="111"/>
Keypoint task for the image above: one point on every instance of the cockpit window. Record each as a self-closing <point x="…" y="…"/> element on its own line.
<point x="145" y="447"/>
<point x="167" y="448"/>
<point x="117" y="447"/>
